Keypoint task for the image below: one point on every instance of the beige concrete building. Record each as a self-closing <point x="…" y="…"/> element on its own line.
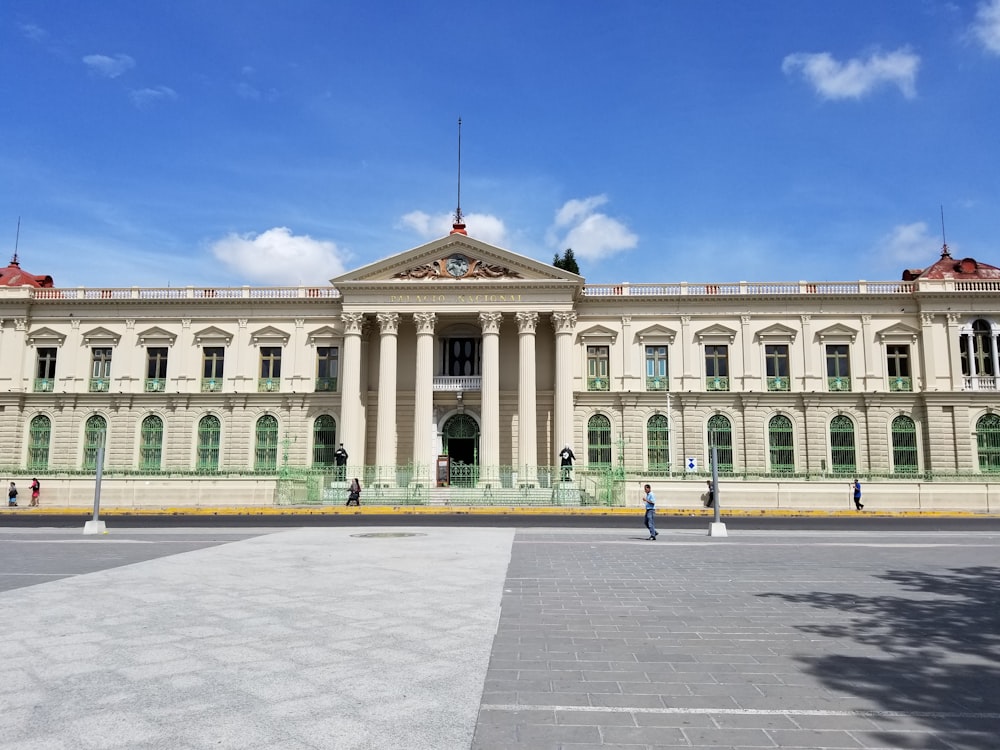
<point x="460" y="367"/>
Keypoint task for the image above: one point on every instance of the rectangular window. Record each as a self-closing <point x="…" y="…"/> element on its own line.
<point x="213" y="368"/>
<point x="460" y="357"/>
<point x="656" y="369"/>
<point x="597" y="368"/>
<point x="776" y="362"/>
<point x="45" y="370"/>
<point x="838" y="367"/>
<point x="327" y="368"/>
<point x="717" y="367"/>
<point x="270" y="369"/>
<point x="156" y="368"/>
<point x="100" y="373"/>
<point x="897" y="365"/>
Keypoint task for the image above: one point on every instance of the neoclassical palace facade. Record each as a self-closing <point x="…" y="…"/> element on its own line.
<point x="458" y="363"/>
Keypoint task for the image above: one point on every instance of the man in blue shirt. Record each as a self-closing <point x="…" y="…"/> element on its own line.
<point x="650" y="503"/>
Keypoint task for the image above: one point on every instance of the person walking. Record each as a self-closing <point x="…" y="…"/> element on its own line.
<point x="354" y="493"/>
<point x="857" y="495"/>
<point x="36" y="487"/>
<point x="711" y="495"/>
<point x="12" y="496"/>
<point x="649" y="501"/>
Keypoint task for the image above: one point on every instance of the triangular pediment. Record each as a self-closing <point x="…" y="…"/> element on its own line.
<point x="597" y="334"/>
<point x="838" y="331"/>
<point x="156" y="335"/>
<point x="101" y="335"/>
<point x="454" y="260"/>
<point x="212" y="335"/>
<point x="44" y="335"/>
<point x="269" y="335"/>
<point x="715" y="333"/>
<point x="776" y="332"/>
<point x="656" y="334"/>
<point x="898" y="332"/>
<point x="324" y="335"/>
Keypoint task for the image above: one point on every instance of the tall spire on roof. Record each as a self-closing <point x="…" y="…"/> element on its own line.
<point x="459" y="226"/>
<point x="945" y="253"/>
<point x="17" y="241"/>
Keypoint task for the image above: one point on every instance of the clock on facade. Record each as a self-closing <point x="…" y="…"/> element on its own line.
<point x="457" y="265"/>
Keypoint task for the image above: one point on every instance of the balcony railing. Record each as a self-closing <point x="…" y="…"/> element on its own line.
<point x="838" y="384"/>
<point x="44" y="385"/>
<point x="155" y="385"/>
<point x="900" y="384"/>
<point x="267" y="385"/>
<point x="779" y="383"/>
<point x="326" y="384"/>
<point x="657" y="384"/>
<point x="457" y="383"/>
<point x="211" y="385"/>
<point x="598" y="384"/>
<point x="717" y="384"/>
<point x="980" y="383"/>
<point x="99" y="385"/>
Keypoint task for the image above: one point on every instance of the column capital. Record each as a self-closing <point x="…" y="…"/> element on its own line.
<point x="425" y="321"/>
<point x="526" y="322"/>
<point x="353" y="322"/>
<point x="388" y="323"/>
<point x="490" y="321"/>
<point x="927" y="318"/>
<point x="564" y="322"/>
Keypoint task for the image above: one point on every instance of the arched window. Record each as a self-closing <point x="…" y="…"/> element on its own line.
<point x="266" y="455"/>
<point x="842" y="453"/>
<point x="780" y="445"/>
<point x="720" y="434"/>
<point x="151" y="443"/>
<point x="904" y="445"/>
<point x="988" y="443"/>
<point x="39" y="435"/>
<point x="658" y="444"/>
<point x="599" y="442"/>
<point x="324" y="440"/>
<point x="94" y="438"/>
<point x="209" y="437"/>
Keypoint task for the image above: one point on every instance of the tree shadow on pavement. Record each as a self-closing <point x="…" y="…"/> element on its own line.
<point x="939" y="644"/>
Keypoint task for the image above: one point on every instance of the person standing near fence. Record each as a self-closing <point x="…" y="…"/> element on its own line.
<point x="340" y="460"/>
<point x="649" y="501"/>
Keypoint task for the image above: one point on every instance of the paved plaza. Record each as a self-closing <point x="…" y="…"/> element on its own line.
<point x="495" y="638"/>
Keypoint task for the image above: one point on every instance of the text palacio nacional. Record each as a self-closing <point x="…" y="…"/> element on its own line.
<point x="462" y="349"/>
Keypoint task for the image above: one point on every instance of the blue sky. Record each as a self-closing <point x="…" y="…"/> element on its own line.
<point x="273" y="143"/>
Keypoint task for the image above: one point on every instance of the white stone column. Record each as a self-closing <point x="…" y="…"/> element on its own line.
<point x="351" y="428"/>
<point x="423" y="400"/>
<point x="527" y="428"/>
<point x="489" y="434"/>
<point x="385" y="438"/>
<point x="564" y="324"/>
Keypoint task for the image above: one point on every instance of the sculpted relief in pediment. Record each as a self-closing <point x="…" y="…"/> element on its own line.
<point x="458" y="266"/>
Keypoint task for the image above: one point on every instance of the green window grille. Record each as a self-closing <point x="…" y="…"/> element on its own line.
<point x="904" y="445"/>
<point x="780" y="444"/>
<point x="597" y="368"/>
<point x="95" y="435"/>
<point x="327" y="368"/>
<point x="599" y="442"/>
<point x="658" y="443"/>
<point x="39" y="435"/>
<point x="988" y="443"/>
<point x="838" y="367"/>
<point x="842" y="452"/>
<point x="776" y="360"/>
<point x="324" y="440"/>
<point x="209" y="437"/>
<point x="656" y="369"/>
<point x="151" y="443"/>
<point x="720" y="434"/>
<point x="266" y="453"/>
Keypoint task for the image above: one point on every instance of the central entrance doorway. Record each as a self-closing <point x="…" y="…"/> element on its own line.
<point x="460" y="441"/>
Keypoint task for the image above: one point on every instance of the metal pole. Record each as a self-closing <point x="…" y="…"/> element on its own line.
<point x="97" y="484"/>
<point x="715" y="482"/>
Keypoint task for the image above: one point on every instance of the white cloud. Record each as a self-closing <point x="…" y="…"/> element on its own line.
<point x="277" y="257"/>
<point x="592" y="235"/>
<point x="856" y="77"/>
<point x="986" y="27"/>
<point x="909" y="244"/>
<point x="149" y="96"/>
<point x="483" y="227"/>
<point x="33" y="32"/>
<point x="110" y="67"/>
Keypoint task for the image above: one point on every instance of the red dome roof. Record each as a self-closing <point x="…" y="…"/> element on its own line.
<point x="12" y="275"/>
<point x="949" y="268"/>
